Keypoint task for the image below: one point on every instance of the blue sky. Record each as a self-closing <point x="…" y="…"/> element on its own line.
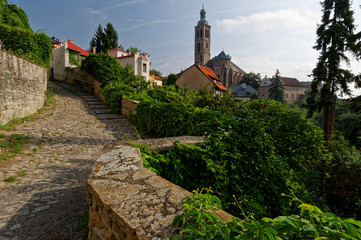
<point x="260" y="35"/>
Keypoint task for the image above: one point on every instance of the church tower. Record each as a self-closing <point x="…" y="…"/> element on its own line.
<point x="202" y="37"/>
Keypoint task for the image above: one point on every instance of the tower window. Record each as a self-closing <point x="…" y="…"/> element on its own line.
<point x="201" y="33"/>
<point x="199" y="47"/>
<point x="207" y="45"/>
<point x="197" y="34"/>
<point x="207" y="33"/>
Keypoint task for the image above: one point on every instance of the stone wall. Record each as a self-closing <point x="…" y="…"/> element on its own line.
<point x="22" y="87"/>
<point x="128" y="106"/>
<point x="75" y="76"/>
<point x="128" y="201"/>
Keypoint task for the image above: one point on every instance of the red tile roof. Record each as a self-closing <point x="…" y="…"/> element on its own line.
<point x="117" y="49"/>
<point x="156" y="77"/>
<point x="72" y="46"/>
<point x="212" y="76"/>
<point x="290" y="82"/>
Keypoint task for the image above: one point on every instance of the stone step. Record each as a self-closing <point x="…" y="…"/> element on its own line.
<point x="100" y="106"/>
<point x="109" y="116"/>
<point x="101" y="111"/>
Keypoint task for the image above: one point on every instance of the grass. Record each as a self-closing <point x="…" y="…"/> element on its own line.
<point x="83" y="226"/>
<point x="11" y="145"/>
<point x="10" y="179"/>
<point x="21" y="173"/>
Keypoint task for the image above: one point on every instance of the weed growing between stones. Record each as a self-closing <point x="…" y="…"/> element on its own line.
<point x="83" y="226"/>
<point x="11" y="145"/>
<point x="10" y="179"/>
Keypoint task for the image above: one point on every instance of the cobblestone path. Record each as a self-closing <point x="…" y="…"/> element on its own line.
<point x="49" y="194"/>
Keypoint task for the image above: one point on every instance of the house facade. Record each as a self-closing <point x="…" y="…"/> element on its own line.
<point x="294" y="90"/>
<point x="65" y="55"/>
<point x="198" y="77"/>
<point x="140" y="63"/>
<point x="155" y="80"/>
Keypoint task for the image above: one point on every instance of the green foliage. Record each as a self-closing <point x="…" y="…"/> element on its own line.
<point x="14" y="16"/>
<point x="18" y="38"/>
<point x="199" y="221"/>
<point x="102" y="67"/>
<point x="265" y="148"/>
<point x="104" y="39"/>
<point x="32" y="46"/>
<point x="335" y="38"/>
<point x="74" y="59"/>
<point x="343" y="190"/>
<point x="275" y="91"/>
<point x="171" y="79"/>
<point x="133" y="50"/>
<point x="11" y="145"/>
<point x="155" y="72"/>
<point x="252" y="79"/>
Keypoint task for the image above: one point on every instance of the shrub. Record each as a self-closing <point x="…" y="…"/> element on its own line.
<point x="18" y="38"/>
<point x="199" y="221"/>
<point x="102" y="67"/>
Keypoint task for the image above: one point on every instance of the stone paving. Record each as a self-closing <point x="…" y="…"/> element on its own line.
<point x="49" y="194"/>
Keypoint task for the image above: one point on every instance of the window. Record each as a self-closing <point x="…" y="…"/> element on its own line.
<point x="199" y="47"/>
<point x="286" y="95"/>
<point x="292" y="95"/>
<point x="144" y="67"/>
<point x="197" y="34"/>
<point x="201" y="33"/>
<point x="206" y="45"/>
<point x="207" y="33"/>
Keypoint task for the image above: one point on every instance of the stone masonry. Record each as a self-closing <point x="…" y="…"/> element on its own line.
<point x="22" y="87"/>
<point x="49" y="193"/>
<point x="128" y="201"/>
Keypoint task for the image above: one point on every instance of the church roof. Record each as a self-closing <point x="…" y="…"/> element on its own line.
<point x="222" y="55"/>
<point x="203" y="17"/>
<point x="235" y="68"/>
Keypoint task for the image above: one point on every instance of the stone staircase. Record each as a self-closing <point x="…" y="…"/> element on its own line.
<point x="101" y="110"/>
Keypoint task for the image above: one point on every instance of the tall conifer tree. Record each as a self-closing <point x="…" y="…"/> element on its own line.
<point x="104" y="39"/>
<point x="275" y="91"/>
<point x="335" y="37"/>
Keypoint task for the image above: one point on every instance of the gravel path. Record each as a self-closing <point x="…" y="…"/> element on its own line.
<point x="49" y="194"/>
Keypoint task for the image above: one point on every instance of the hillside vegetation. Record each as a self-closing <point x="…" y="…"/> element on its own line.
<point x="17" y="37"/>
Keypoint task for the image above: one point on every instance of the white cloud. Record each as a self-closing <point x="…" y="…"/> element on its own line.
<point x="296" y="19"/>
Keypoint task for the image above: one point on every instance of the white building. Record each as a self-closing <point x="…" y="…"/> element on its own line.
<point x="65" y="55"/>
<point x="140" y="63"/>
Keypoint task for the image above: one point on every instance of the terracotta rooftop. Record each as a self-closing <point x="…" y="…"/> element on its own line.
<point x="212" y="76"/>
<point x="287" y="81"/>
<point x="74" y="47"/>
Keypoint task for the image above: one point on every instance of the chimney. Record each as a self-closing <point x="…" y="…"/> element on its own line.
<point x="93" y="49"/>
<point x="71" y="40"/>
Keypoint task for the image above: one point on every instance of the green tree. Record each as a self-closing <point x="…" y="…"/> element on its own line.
<point x="335" y="38"/>
<point x="276" y="88"/>
<point x="171" y="79"/>
<point x="111" y="37"/>
<point x="253" y="79"/>
<point x="156" y="73"/>
<point x="133" y="49"/>
<point x="104" y="39"/>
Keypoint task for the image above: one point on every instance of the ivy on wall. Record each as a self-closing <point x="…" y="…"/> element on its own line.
<point x="18" y="38"/>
